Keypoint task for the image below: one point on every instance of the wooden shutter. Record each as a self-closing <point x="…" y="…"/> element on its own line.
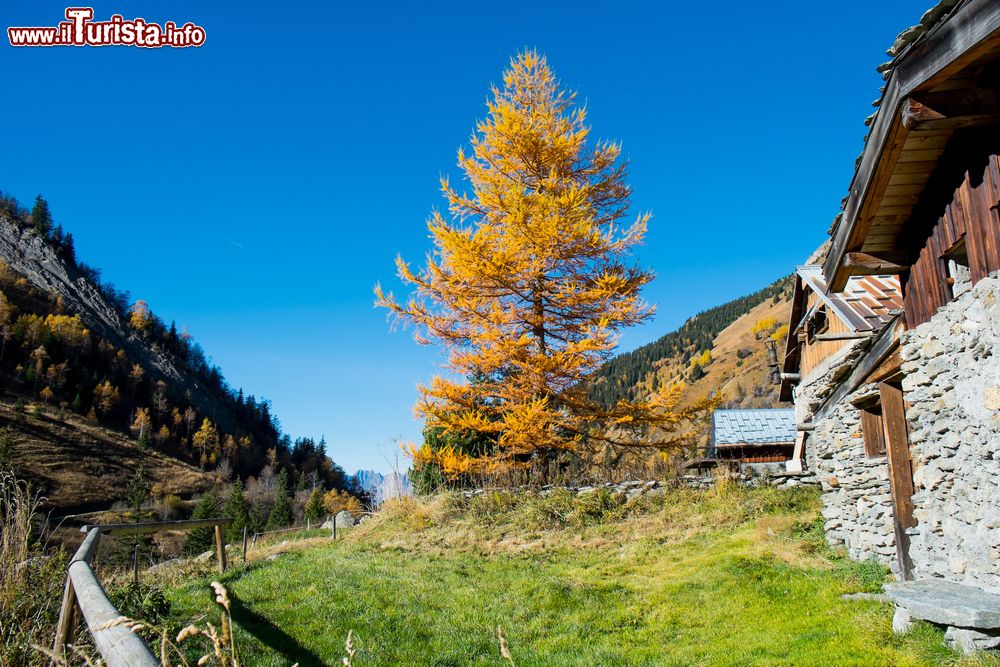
<point x="873" y="430"/>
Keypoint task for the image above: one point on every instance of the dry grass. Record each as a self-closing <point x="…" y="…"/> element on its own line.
<point x="30" y="580"/>
<point x="78" y="463"/>
<point x="505" y="522"/>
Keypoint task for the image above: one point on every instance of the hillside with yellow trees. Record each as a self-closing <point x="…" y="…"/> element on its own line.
<point x="94" y="385"/>
<point x="719" y="352"/>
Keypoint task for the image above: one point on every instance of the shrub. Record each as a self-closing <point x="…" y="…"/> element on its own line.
<point x="140" y="601"/>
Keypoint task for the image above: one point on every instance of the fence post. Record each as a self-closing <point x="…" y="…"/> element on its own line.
<point x="135" y="564"/>
<point x="244" y="545"/>
<point x="220" y="547"/>
<point x="66" y="627"/>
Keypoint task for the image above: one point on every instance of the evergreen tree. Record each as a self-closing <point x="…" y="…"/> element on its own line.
<point x="68" y="249"/>
<point x="201" y="539"/>
<point x="281" y="513"/>
<point x="314" y="506"/>
<point x="238" y="510"/>
<point x="41" y="217"/>
<point x="258" y="517"/>
<point x="138" y="490"/>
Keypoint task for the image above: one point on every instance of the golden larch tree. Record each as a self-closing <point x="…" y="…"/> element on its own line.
<point x="529" y="282"/>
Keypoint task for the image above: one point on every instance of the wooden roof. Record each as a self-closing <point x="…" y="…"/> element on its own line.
<point x="866" y="304"/>
<point x="941" y="79"/>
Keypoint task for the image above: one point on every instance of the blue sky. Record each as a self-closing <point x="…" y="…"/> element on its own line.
<point x="256" y="188"/>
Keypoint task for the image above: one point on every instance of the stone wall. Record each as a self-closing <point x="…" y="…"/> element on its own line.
<point x="857" y="500"/>
<point x="952" y="390"/>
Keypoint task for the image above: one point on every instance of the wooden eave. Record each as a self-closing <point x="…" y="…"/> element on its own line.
<point x="790" y="360"/>
<point x="932" y="90"/>
<point x="748" y="445"/>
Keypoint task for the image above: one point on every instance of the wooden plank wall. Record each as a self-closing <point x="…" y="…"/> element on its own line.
<point x="961" y="200"/>
<point x="814" y="353"/>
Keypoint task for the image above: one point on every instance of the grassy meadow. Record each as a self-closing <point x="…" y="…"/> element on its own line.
<point x="724" y="577"/>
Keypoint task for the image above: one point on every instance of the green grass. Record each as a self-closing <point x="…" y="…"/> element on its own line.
<point x="728" y="578"/>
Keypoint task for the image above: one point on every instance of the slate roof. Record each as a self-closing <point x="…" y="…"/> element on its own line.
<point x="867" y="303"/>
<point x="757" y="427"/>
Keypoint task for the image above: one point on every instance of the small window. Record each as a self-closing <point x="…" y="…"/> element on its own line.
<point x="959" y="277"/>
<point x="818" y="323"/>
<point x="873" y="429"/>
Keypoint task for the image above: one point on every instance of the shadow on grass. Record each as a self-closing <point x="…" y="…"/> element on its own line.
<point x="271" y="635"/>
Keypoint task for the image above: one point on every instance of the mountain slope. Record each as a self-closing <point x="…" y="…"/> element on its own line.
<point x="78" y="466"/>
<point x="736" y="363"/>
<point x="33" y="258"/>
<point x="90" y="377"/>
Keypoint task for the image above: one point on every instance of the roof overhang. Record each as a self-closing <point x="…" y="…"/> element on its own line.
<point x="775" y="443"/>
<point x="933" y="90"/>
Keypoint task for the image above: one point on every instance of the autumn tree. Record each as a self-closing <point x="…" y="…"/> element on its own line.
<point x="335" y="501"/>
<point x="106" y="398"/>
<point x="7" y="312"/>
<point x="206" y="439"/>
<point x="530" y="281"/>
<point x="140" y="316"/>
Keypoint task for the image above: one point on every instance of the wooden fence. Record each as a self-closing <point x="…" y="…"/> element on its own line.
<point x="117" y="644"/>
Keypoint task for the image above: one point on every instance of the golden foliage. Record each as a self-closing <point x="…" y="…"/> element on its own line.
<point x="106" y="397"/>
<point x="142" y="422"/>
<point x="206" y="439"/>
<point x="763" y="324"/>
<point x="335" y="501"/>
<point x="140" y="316"/>
<point x="703" y="359"/>
<point x="530" y="280"/>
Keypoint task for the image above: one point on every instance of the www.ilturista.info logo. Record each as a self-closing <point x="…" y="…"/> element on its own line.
<point x="81" y="30"/>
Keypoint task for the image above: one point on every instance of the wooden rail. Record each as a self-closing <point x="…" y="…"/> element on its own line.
<point x="117" y="644"/>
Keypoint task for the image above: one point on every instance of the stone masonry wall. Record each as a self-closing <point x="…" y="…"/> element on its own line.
<point x="857" y="500"/>
<point x="952" y="390"/>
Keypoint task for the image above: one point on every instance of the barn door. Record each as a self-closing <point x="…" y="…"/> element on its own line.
<point x="897" y="448"/>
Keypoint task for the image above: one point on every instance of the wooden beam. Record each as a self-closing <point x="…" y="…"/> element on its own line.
<point x="843" y="336"/>
<point x="154" y="526"/>
<point x="885" y="344"/>
<point x="873" y="264"/>
<point x="66" y="626"/>
<point x="888" y="369"/>
<point x="949" y="110"/>
<point x="220" y="548"/>
<point x="897" y="447"/>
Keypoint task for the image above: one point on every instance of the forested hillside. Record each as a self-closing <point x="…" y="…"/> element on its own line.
<point x="688" y="350"/>
<point x="77" y="350"/>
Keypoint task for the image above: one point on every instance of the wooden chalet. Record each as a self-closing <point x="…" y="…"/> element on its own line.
<point x="752" y="436"/>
